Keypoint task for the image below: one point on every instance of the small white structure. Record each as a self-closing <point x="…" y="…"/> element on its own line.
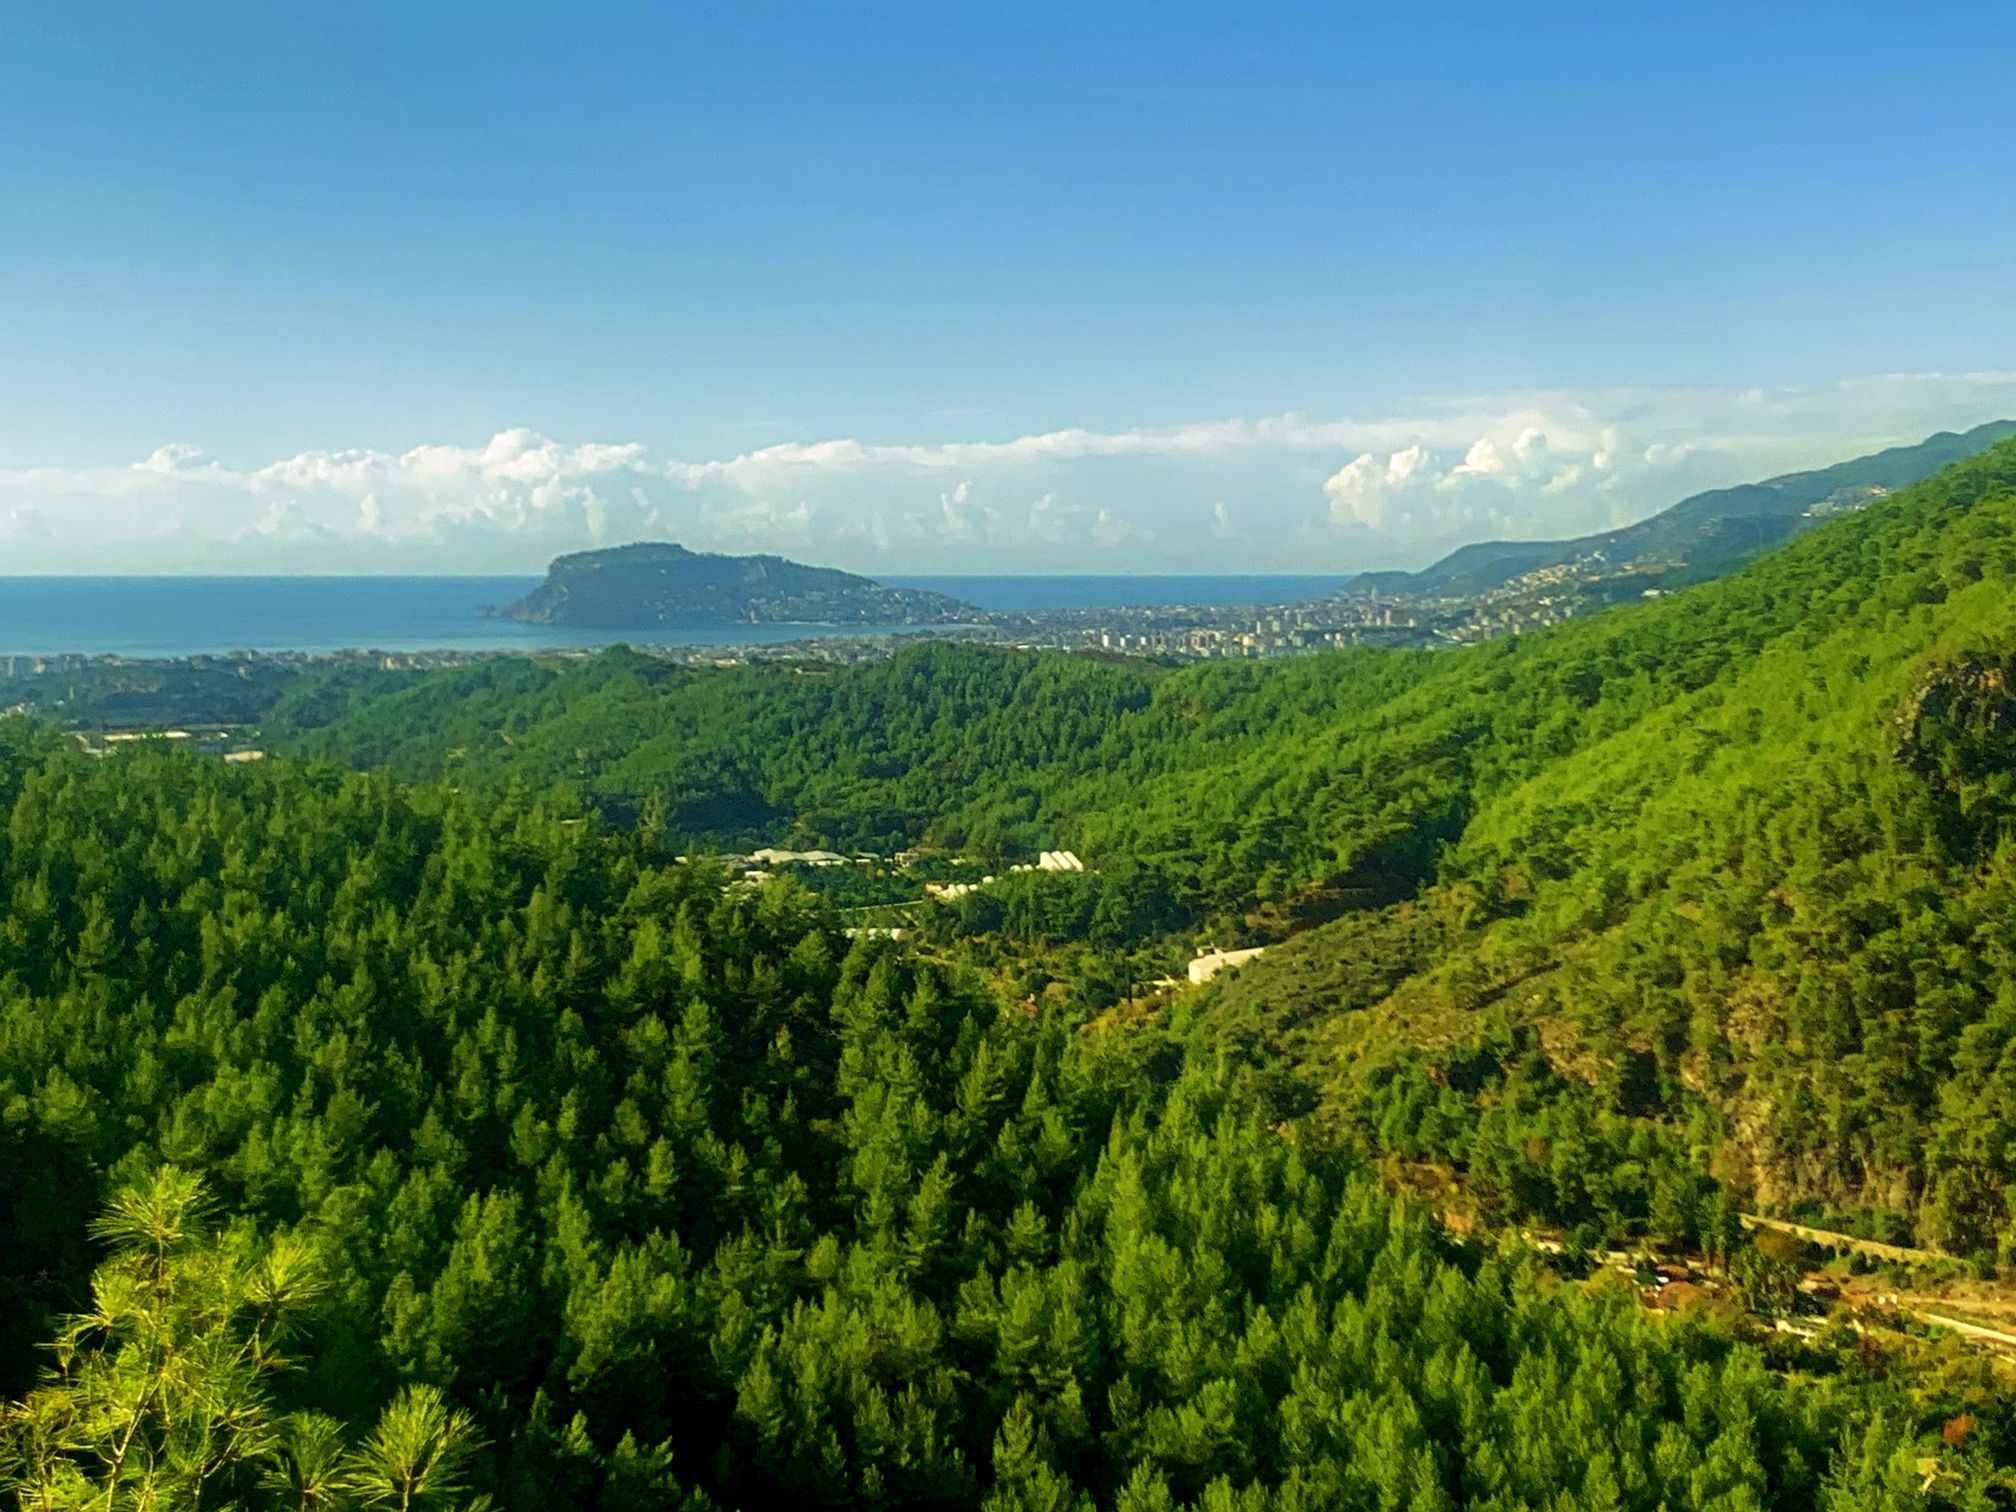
<point x="1059" y="861"/>
<point x="770" y="857"/>
<point x="1211" y="962"/>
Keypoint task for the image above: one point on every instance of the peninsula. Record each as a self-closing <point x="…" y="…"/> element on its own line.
<point x="659" y="585"/>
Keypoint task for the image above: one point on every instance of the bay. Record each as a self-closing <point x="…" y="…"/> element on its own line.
<point x="196" y="616"/>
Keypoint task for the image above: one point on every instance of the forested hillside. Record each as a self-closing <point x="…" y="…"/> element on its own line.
<point x="1761" y="927"/>
<point x="439" y="1138"/>
<point x="452" y="1148"/>
<point x="1721" y="879"/>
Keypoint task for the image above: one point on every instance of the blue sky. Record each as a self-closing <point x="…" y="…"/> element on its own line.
<point x="425" y="287"/>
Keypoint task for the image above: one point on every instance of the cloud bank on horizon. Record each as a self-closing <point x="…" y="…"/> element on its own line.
<point x="1286" y="493"/>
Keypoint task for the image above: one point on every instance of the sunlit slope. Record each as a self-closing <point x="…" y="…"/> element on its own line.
<point x="1744" y="884"/>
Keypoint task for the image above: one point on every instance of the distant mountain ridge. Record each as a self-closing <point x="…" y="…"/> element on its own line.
<point x="1705" y="535"/>
<point x="660" y="585"/>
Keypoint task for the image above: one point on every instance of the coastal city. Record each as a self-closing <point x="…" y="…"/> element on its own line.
<point x="219" y="692"/>
<point x="1181" y="632"/>
<point x="225" y="689"/>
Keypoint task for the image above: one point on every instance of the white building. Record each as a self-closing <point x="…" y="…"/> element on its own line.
<point x="771" y="857"/>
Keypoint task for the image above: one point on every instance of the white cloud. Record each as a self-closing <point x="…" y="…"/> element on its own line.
<point x="960" y="519"/>
<point x="176" y="456"/>
<point x="1402" y="465"/>
<point x="1481" y="461"/>
<point x="1059" y="522"/>
<point x="1275" y="492"/>
<point x="1108" y="529"/>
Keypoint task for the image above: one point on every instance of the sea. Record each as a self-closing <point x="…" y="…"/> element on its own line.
<point x="199" y="616"/>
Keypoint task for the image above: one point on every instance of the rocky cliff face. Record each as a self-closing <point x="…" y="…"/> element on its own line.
<point x="665" y="586"/>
